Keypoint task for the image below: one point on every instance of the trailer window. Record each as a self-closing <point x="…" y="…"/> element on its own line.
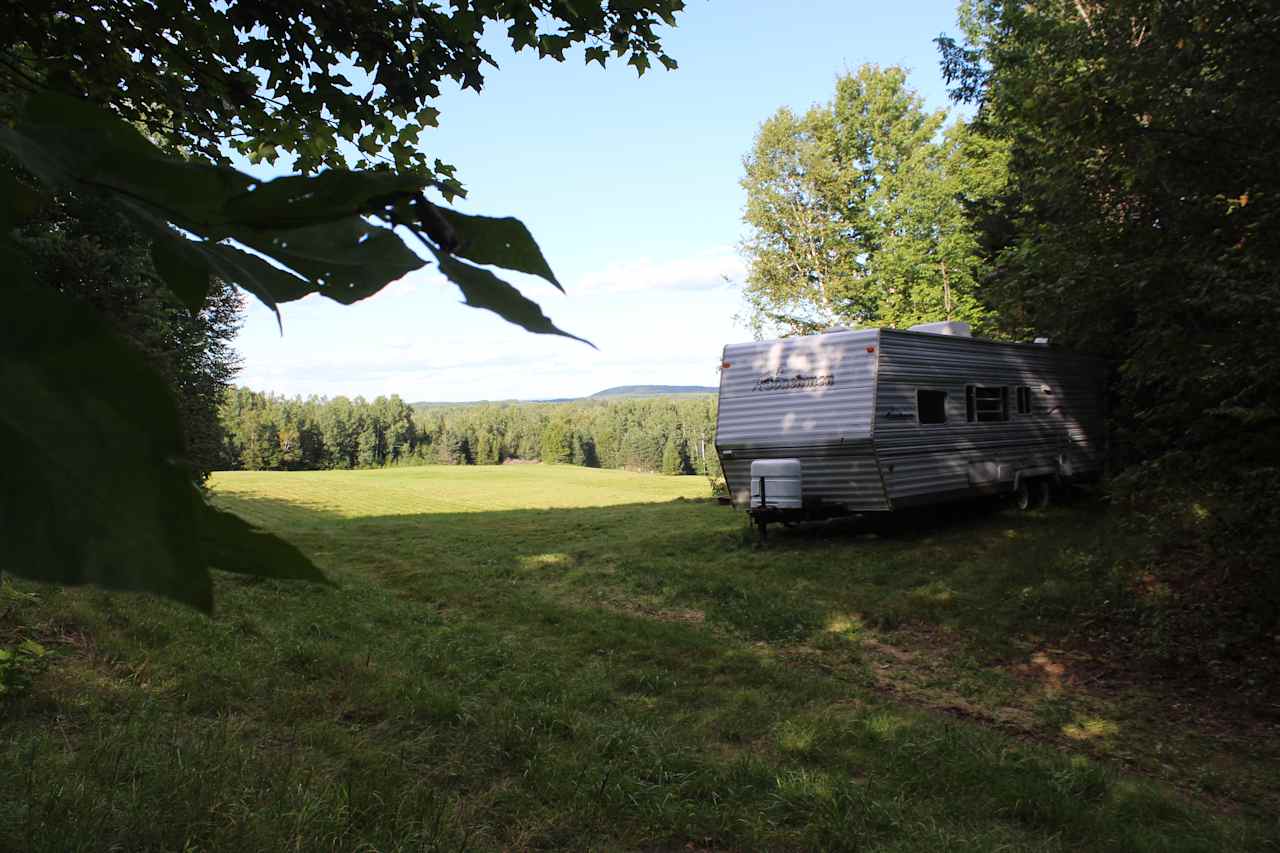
<point x="1024" y="400"/>
<point x="984" y="404"/>
<point x="931" y="406"/>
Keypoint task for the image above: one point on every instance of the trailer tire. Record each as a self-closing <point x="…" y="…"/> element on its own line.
<point x="1022" y="495"/>
<point x="1043" y="492"/>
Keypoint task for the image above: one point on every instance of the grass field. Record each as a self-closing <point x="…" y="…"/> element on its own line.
<point x="532" y="657"/>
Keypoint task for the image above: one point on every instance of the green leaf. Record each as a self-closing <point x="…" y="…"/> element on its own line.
<point x="300" y="200"/>
<point x="501" y="242"/>
<point x="72" y="144"/>
<point x="184" y="269"/>
<point x="18" y="202"/>
<point x="14" y="262"/>
<point x="483" y="289"/>
<point x="345" y="260"/>
<point x="92" y="491"/>
<point x="311" y="227"/>
<point x="269" y="283"/>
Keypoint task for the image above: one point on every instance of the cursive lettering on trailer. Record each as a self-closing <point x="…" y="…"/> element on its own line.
<point x="794" y="383"/>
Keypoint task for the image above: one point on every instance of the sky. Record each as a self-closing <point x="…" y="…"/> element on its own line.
<point x="630" y="186"/>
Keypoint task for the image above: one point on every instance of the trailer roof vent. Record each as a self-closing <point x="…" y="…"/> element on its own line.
<point x="1044" y="342"/>
<point x="951" y="327"/>
<point x="836" y="329"/>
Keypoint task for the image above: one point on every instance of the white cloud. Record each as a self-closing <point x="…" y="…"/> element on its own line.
<point x="705" y="271"/>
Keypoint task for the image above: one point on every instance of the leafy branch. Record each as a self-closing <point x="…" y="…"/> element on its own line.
<point x="97" y="492"/>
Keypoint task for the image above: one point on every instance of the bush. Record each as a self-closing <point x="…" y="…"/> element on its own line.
<point x="19" y="666"/>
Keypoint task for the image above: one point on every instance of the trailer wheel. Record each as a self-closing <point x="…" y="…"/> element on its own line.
<point x="1043" y="493"/>
<point x="1022" y="497"/>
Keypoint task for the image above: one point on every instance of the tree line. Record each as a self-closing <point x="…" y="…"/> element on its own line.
<point x="270" y="432"/>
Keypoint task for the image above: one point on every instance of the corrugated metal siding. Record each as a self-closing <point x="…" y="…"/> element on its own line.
<point x="845" y="475"/>
<point x="763" y="405"/>
<point x="918" y="460"/>
<point x="765" y="412"/>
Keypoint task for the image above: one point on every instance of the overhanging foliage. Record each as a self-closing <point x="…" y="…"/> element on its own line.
<point x="95" y="492"/>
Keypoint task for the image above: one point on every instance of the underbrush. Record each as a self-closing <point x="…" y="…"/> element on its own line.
<point x="1201" y="598"/>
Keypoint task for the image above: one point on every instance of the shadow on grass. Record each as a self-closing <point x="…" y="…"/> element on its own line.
<point x="611" y="677"/>
<point x="978" y="564"/>
<point x="961" y="599"/>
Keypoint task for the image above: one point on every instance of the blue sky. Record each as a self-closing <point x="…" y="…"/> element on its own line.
<point x="630" y="185"/>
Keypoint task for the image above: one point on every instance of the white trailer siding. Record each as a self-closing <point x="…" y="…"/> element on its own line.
<point x="1062" y="433"/>
<point x="808" y="398"/>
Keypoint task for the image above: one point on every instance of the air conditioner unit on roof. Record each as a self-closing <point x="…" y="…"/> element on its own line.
<point x="950" y="327"/>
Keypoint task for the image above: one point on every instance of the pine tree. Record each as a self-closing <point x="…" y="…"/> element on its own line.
<point x="557" y="442"/>
<point x="675" y="458"/>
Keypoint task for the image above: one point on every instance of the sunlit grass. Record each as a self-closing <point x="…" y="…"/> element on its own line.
<point x="456" y="488"/>
<point x="1089" y="728"/>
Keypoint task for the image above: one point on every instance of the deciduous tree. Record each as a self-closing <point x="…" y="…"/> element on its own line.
<point x="855" y="211"/>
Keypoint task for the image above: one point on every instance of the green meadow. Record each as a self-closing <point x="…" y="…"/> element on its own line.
<point x="546" y="657"/>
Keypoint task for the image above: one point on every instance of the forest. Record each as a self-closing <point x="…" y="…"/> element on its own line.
<point x="265" y="432"/>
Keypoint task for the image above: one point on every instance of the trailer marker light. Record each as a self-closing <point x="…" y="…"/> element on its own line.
<point x="871" y="349"/>
<point x="724" y="365"/>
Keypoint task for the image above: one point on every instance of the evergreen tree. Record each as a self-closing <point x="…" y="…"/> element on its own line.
<point x="557" y="442"/>
<point x="487" y="449"/>
<point x="675" y="457"/>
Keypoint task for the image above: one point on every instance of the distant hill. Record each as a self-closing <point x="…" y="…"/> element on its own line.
<point x="653" y="391"/>
<point x="608" y="393"/>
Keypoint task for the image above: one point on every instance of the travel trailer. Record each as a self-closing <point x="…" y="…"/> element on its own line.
<point x="874" y="420"/>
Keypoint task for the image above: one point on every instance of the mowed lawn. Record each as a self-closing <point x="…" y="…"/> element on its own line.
<point x="540" y="657"/>
<point x="455" y="488"/>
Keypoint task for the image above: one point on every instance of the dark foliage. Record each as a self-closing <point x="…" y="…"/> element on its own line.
<point x="298" y="78"/>
<point x="1140" y="224"/>
<point x="86" y="250"/>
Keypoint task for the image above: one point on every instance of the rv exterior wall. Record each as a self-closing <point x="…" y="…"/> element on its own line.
<point x="984" y="443"/>
<point x="808" y="398"/>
